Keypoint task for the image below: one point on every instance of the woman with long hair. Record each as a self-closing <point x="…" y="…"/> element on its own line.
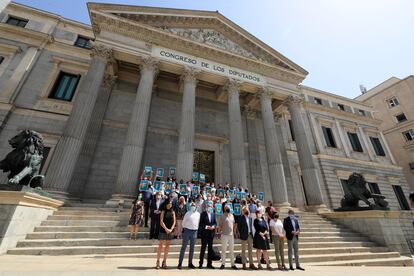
<point x="135" y="216"/>
<point x="167" y="223"/>
<point x="261" y="239"/>
<point x="180" y="211"/>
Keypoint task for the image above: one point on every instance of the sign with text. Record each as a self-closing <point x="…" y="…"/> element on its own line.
<point x="207" y="65"/>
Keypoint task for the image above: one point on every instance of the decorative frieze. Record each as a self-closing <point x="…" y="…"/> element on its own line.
<point x="109" y="80"/>
<point x="102" y="51"/>
<point x="190" y="75"/>
<point x="149" y="64"/>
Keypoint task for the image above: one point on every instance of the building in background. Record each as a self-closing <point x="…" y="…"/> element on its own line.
<point x="185" y="89"/>
<point x="393" y="102"/>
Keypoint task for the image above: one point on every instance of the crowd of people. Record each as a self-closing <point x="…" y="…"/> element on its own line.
<point x="208" y="212"/>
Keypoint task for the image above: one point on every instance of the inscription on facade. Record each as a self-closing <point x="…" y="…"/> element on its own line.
<point x="207" y="65"/>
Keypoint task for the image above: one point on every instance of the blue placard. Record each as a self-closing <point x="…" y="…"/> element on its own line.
<point x="220" y="193"/>
<point x="148" y="171"/>
<point x="210" y="202"/>
<point x="208" y="190"/>
<point x="243" y="195"/>
<point x="160" y="172"/>
<point x="157" y="186"/>
<point x="183" y="189"/>
<point x="143" y="185"/>
<point x="219" y="209"/>
<point x="168" y="187"/>
<point x="196" y="190"/>
<point x="261" y="196"/>
<point x="231" y="207"/>
<point x="202" y="177"/>
<point x="172" y="171"/>
<point x="237" y="209"/>
<point x="231" y="194"/>
<point x="239" y="195"/>
<point x="195" y="176"/>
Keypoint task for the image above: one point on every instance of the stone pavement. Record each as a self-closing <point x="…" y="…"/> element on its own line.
<point x="67" y="265"/>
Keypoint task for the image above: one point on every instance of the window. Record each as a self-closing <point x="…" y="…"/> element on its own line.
<point x="341" y="107"/>
<point x="65" y="86"/>
<point x="1" y="59"/>
<point x="409" y="135"/>
<point x="318" y="101"/>
<point x="393" y="102"/>
<point x="374" y="188"/>
<point x="400" y="118"/>
<point x="17" y="21"/>
<point x="361" y="112"/>
<point x="291" y="130"/>
<point x="356" y="145"/>
<point x="83" y="42"/>
<point x="376" y="144"/>
<point x="401" y="197"/>
<point x="329" y="138"/>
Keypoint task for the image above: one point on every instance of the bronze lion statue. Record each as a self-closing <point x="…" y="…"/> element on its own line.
<point x="23" y="162"/>
<point x="355" y="191"/>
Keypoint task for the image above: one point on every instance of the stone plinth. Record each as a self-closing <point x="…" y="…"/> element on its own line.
<point x="20" y="213"/>
<point x="393" y="229"/>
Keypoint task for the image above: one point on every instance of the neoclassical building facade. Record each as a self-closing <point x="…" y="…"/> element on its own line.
<point x="185" y="89"/>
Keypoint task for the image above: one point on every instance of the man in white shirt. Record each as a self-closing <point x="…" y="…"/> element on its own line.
<point x="190" y="224"/>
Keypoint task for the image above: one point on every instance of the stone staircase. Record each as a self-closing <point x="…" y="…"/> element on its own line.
<point x="92" y="230"/>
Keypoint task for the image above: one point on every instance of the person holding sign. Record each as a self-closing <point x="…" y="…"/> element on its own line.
<point x="227" y="230"/>
<point x="208" y="228"/>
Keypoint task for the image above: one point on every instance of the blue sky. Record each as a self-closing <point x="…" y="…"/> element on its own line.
<point x="341" y="43"/>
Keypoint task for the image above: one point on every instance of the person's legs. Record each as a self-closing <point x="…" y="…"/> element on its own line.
<point x="183" y="246"/>
<point x="210" y="250"/>
<point x="282" y="251"/>
<point x="166" y="251"/>
<point x="159" y="250"/>
<point x="193" y="237"/>
<point x="266" y="257"/>
<point x="146" y="213"/>
<point x="296" y="250"/>
<point x="203" y="250"/>
<point x="243" y="253"/>
<point x="231" y="245"/>
<point x="250" y="250"/>
<point x="157" y="226"/>
<point x="224" y="241"/>
<point x="258" y="255"/>
<point x="276" y="242"/>
<point x="152" y="227"/>
<point x="290" y="249"/>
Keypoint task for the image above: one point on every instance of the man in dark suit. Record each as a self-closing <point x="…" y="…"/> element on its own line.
<point x="156" y="207"/>
<point x="207" y="228"/>
<point x="292" y="228"/>
<point x="146" y="197"/>
<point x="245" y="227"/>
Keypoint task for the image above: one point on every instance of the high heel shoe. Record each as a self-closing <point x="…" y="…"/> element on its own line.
<point x="260" y="266"/>
<point x="269" y="267"/>
<point x="157" y="266"/>
<point x="164" y="265"/>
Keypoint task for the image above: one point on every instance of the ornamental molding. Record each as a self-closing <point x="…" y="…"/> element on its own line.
<point x="149" y="64"/>
<point x="233" y="86"/>
<point x="264" y="92"/>
<point x="156" y="36"/>
<point x="293" y="100"/>
<point x="190" y="74"/>
<point x="101" y="51"/>
<point x="109" y="80"/>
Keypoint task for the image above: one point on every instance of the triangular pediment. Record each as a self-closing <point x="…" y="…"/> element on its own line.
<point x="207" y="28"/>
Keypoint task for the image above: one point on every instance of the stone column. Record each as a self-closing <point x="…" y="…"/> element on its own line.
<point x="237" y="159"/>
<point x="78" y="183"/>
<point x="69" y="146"/>
<point x="133" y="150"/>
<point x="306" y="162"/>
<point x="185" y="152"/>
<point x="274" y="159"/>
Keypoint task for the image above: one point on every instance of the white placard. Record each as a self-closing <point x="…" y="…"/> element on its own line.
<point x="206" y="65"/>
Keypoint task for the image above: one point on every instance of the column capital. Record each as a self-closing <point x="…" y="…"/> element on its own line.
<point x="109" y="80"/>
<point x="293" y="100"/>
<point x="149" y="64"/>
<point x="277" y="116"/>
<point x="102" y="51"/>
<point x="265" y="92"/>
<point x="250" y="112"/>
<point x="233" y="86"/>
<point x="190" y="74"/>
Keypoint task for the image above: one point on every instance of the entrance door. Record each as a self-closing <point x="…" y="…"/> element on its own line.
<point x="204" y="163"/>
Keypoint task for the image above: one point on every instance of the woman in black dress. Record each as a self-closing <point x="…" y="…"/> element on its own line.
<point x="167" y="223"/>
<point x="135" y="217"/>
<point x="261" y="240"/>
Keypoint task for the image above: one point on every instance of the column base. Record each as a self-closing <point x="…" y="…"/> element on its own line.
<point x="59" y="195"/>
<point x="120" y="199"/>
<point x="322" y="208"/>
<point x="282" y="205"/>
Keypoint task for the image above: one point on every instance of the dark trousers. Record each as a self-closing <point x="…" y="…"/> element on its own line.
<point x="207" y="241"/>
<point x="146" y="213"/>
<point x="155" y="226"/>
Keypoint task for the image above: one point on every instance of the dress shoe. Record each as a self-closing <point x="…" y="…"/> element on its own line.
<point x="179" y="266"/>
<point x="244" y="267"/>
<point x="191" y="266"/>
<point x="234" y="267"/>
<point x="291" y="268"/>
<point x="222" y="267"/>
<point x="200" y="266"/>
<point x="300" y="268"/>
<point x="210" y="267"/>
<point x="252" y="267"/>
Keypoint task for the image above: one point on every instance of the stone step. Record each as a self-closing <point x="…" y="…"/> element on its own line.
<point x="400" y="261"/>
<point x="127" y="242"/>
<point x="114" y="217"/>
<point x="93" y="209"/>
<point x="91" y="250"/>
<point x="82" y="223"/>
<point x="145" y="235"/>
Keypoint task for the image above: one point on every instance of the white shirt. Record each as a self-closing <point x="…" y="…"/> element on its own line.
<point x="157" y="203"/>
<point x="277" y="228"/>
<point x="191" y="220"/>
<point x="248" y="224"/>
<point x="295" y="227"/>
